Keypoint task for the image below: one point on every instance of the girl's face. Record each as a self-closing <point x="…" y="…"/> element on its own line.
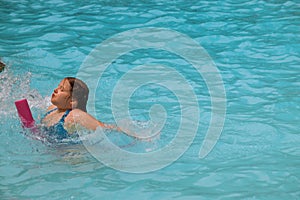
<point x="61" y="96"/>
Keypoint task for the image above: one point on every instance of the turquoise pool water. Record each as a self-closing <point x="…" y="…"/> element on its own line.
<point x="254" y="44"/>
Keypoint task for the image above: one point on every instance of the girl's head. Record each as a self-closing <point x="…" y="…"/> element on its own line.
<point x="79" y="93"/>
<point x="71" y="93"/>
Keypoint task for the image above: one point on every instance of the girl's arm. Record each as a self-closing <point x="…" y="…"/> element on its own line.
<point x="91" y="123"/>
<point x="88" y="121"/>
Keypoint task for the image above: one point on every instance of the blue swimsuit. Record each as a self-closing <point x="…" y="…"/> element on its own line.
<point x="57" y="130"/>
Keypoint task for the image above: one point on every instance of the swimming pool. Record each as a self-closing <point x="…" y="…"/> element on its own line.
<point x="254" y="45"/>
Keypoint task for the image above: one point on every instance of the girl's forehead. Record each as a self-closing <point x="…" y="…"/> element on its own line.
<point x="65" y="83"/>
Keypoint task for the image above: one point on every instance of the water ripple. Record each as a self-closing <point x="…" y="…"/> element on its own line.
<point x="255" y="45"/>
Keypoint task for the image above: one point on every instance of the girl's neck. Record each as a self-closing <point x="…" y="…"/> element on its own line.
<point x="62" y="109"/>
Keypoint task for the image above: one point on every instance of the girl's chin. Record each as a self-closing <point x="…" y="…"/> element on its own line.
<point x="53" y="101"/>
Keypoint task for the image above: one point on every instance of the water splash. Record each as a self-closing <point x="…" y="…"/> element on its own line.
<point x="17" y="86"/>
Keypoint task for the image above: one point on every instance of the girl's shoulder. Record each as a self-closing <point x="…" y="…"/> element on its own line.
<point x="76" y="115"/>
<point x="51" y="107"/>
<point x="77" y="112"/>
<point x="83" y="118"/>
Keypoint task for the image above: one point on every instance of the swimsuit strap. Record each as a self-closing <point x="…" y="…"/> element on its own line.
<point x="62" y="120"/>
<point x="48" y="112"/>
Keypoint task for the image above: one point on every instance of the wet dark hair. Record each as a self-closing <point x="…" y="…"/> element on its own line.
<point x="79" y="92"/>
<point x="2" y="66"/>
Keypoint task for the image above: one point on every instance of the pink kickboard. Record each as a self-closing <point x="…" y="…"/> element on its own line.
<point x="24" y="113"/>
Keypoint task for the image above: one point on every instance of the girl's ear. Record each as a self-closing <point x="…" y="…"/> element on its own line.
<point x="74" y="103"/>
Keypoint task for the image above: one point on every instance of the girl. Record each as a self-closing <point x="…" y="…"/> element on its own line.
<point x="68" y="109"/>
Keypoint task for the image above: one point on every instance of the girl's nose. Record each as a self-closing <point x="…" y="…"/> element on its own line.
<point x="55" y="90"/>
